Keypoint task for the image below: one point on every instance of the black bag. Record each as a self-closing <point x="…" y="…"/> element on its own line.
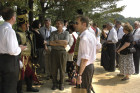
<point x="132" y="50"/>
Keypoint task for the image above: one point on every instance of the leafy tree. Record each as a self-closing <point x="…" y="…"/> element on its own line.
<point x="97" y="10"/>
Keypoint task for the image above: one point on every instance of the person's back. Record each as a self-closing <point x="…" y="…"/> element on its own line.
<point x="9" y="63"/>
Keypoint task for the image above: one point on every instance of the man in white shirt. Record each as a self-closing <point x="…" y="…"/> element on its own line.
<point x="46" y="31"/>
<point x="9" y="51"/>
<point x="136" y="55"/>
<point x="120" y="34"/>
<point x="86" y="53"/>
<point x="112" y="39"/>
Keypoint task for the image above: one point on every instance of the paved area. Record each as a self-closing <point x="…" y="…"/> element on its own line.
<point x="103" y="82"/>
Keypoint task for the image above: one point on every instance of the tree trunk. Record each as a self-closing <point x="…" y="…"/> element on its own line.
<point x="31" y="12"/>
<point x="42" y="13"/>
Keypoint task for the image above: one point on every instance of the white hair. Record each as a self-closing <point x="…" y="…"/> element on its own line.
<point x="110" y="24"/>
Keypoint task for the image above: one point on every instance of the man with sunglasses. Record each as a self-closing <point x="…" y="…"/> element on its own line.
<point x="86" y="53"/>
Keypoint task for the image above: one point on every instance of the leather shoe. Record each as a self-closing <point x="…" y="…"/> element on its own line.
<point x="135" y="74"/>
<point x="54" y="87"/>
<point x="124" y="79"/>
<point x="117" y="66"/>
<point x="32" y="90"/>
<point x="48" y="78"/>
<point x="61" y="87"/>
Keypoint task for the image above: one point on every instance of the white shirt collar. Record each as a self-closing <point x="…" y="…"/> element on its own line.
<point x="7" y="23"/>
<point x="83" y="33"/>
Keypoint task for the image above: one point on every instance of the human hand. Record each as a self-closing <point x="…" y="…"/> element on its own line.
<point x="45" y="42"/>
<point x="79" y="80"/>
<point x="134" y="42"/>
<point x="22" y="47"/>
<point x="118" y="51"/>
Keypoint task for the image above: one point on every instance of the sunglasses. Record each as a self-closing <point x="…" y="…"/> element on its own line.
<point x="76" y="23"/>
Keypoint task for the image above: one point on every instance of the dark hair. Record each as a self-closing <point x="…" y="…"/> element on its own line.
<point x="35" y="24"/>
<point x="118" y="22"/>
<point x="94" y="24"/>
<point x="70" y="27"/>
<point x="65" y="21"/>
<point x="104" y="26"/>
<point x="71" y="23"/>
<point x="61" y="21"/>
<point x="83" y="19"/>
<point x="7" y="13"/>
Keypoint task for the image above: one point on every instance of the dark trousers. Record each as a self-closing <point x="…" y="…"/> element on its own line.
<point x="87" y="78"/>
<point x="117" y="55"/>
<point x="70" y="69"/>
<point x="9" y="72"/>
<point x="28" y="81"/>
<point x="58" y="62"/>
<point x="111" y="53"/>
<point x="136" y="57"/>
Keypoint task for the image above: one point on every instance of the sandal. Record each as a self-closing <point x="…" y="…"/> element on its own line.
<point x="124" y="79"/>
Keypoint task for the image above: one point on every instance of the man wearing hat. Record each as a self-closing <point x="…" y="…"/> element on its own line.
<point x="25" y="37"/>
<point x="46" y="31"/>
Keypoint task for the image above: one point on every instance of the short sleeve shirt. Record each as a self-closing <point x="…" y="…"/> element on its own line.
<point x="126" y="38"/>
<point x="59" y="36"/>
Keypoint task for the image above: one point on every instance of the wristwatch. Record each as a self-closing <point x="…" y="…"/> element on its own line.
<point x="79" y="75"/>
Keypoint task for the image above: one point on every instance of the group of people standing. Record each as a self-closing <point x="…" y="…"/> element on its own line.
<point x="53" y="48"/>
<point x="121" y="43"/>
<point x="48" y="46"/>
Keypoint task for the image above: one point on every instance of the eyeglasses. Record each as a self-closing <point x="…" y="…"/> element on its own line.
<point x="76" y="23"/>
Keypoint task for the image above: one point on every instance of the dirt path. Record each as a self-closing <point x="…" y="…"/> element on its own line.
<point x="103" y="82"/>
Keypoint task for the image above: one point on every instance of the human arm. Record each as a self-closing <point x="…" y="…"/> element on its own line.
<point x="82" y="68"/>
<point x="12" y="43"/>
<point x="85" y="50"/>
<point x="112" y="37"/>
<point x="126" y="44"/>
<point x="58" y="43"/>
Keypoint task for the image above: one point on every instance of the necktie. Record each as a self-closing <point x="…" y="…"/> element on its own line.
<point x="45" y="32"/>
<point x="134" y="31"/>
<point x="117" y="31"/>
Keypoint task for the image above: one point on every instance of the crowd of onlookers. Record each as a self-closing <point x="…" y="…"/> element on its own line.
<point x="67" y="47"/>
<point x="120" y="48"/>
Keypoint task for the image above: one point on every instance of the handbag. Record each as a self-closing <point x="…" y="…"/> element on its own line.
<point x="132" y="50"/>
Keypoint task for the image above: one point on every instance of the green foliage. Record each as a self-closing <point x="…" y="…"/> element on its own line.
<point x="96" y="10"/>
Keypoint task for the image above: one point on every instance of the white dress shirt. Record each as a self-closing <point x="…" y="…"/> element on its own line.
<point x="112" y="35"/>
<point x="98" y="44"/>
<point x="136" y="34"/>
<point x="91" y="30"/>
<point x="75" y="35"/>
<point x="120" y="33"/>
<point x="87" y="48"/>
<point x="8" y="40"/>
